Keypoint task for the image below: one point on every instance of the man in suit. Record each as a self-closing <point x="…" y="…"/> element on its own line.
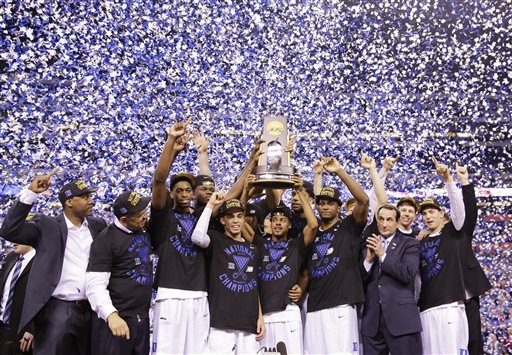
<point x="14" y="272"/>
<point x="391" y="320"/>
<point x="55" y="296"/>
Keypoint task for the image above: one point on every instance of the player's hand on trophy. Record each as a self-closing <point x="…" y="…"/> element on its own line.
<point x="291" y="144"/>
<point x="298" y="182"/>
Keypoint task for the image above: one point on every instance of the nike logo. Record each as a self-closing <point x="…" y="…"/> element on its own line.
<point x="451" y="322"/>
<point x="163" y="318"/>
<point x="341" y="316"/>
<point x="205" y="315"/>
<point x="293" y="330"/>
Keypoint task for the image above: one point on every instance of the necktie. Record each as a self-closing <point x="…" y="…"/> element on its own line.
<point x="14" y="278"/>
<point x="385" y="243"/>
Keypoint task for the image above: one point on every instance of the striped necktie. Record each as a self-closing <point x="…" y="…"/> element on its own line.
<point x="14" y="279"/>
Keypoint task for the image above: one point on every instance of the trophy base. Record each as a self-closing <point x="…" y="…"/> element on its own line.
<point x="274" y="180"/>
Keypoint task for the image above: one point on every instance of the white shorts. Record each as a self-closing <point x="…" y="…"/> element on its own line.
<point x="445" y="330"/>
<point x="286" y="327"/>
<point x="332" y="331"/>
<point x="223" y="341"/>
<point x="180" y="326"/>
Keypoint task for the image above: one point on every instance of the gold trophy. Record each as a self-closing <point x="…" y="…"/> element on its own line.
<point x="274" y="170"/>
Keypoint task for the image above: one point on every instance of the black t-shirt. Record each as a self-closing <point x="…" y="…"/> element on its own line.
<point x="280" y="264"/>
<point x="333" y="266"/>
<point x="181" y="264"/>
<point x="127" y="257"/>
<point x="411" y="234"/>
<point x="298" y="224"/>
<point x="233" y="291"/>
<point x="440" y="269"/>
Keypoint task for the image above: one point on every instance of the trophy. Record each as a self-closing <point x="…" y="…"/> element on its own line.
<point x="274" y="170"/>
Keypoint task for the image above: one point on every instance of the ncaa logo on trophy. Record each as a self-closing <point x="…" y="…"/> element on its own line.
<point x="274" y="170"/>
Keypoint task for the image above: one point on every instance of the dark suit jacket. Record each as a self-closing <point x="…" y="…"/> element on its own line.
<point x="474" y="277"/>
<point x="19" y="292"/>
<point x="393" y="290"/>
<point x="48" y="236"/>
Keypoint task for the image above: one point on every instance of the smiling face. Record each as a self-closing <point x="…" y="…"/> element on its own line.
<point x="407" y="215"/>
<point x="280" y="226"/>
<point x="233" y="222"/>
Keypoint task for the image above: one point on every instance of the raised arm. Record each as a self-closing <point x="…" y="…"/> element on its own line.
<point x="311" y="227"/>
<point x="457" y="213"/>
<point x="378" y="195"/>
<point x="360" y="212"/>
<point x="236" y="189"/>
<point x="318" y="170"/>
<point x="167" y="157"/>
<point x="469" y="199"/>
<point x="200" y="235"/>
<point x="201" y="143"/>
<point x="15" y="226"/>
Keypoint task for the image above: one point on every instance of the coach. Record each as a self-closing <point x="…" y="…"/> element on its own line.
<point x="55" y="295"/>
<point x="391" y="319"/>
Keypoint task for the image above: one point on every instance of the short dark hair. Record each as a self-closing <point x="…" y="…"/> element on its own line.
<point x="390" y="208"/>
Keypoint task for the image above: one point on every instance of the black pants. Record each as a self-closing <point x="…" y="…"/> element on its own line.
<point x="63" y="327"/>
<point x="476" y="343"/>
<point x="10" y="341"/>
<point x="384" y="343"/>
<point x="103" y="342"/>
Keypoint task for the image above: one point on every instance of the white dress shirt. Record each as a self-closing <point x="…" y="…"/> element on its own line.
<point x="71" y="286"/>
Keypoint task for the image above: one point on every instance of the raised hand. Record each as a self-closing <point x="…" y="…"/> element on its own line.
<point x="442" y="170"/>
<point x="216" y="199"/>
<point x="330" y="164"/>
<point x="299" y="183"/>
<point x="462" y="173"/>
<point x="318" y="168"/>
<point x="367" y="161"/>
<point x="42" y="183"/>
<point x="178" y="129"/>
<point x="181" y="142"/>
<point x="200" y="141"/>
